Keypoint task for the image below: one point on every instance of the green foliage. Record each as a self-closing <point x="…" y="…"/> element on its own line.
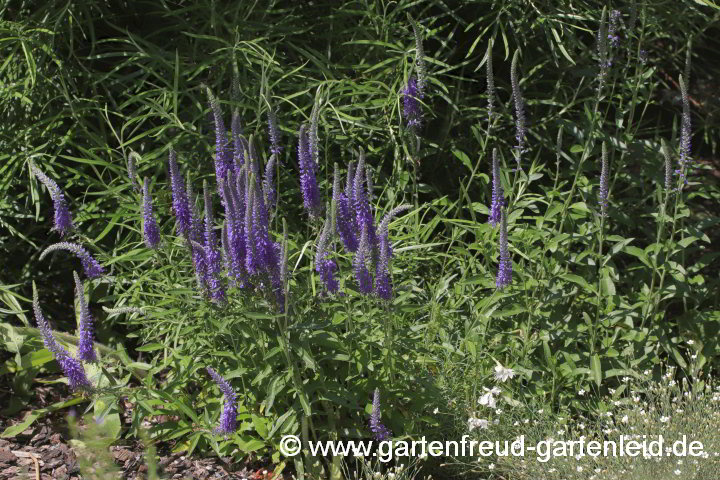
<point x="594" y="298"/>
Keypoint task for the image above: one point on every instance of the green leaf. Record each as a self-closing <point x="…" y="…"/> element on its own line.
<point x="150" y="347"/>
<point x="596" y="369"/>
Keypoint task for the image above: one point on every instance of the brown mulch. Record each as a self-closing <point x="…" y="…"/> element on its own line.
<point x="44" y="452"/>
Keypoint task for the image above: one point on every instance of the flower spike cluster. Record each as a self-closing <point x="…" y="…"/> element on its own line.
<point x="63" y="220"/>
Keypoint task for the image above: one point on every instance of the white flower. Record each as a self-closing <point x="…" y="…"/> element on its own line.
<point x="677" y="472"/>
<point x="624" y="419"/>
<point x="502" y="373"/>
<point x="436" y="411"/>
<point x="690" y="342"/>
<point x="474" y="423"/>
<point x="488" y="398"/>
<point x="491" y="466"/>
<point x="581" y="392"/>
<point x="579" y="468"/>
<point x="664" y="419"/>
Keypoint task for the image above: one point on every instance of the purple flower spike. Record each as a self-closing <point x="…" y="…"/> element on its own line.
<point x="268" y="183"/>
<point x="344" y="218"/>
<point x="685" y="132"/>
<point x="498" y="198"/>
<point x="324" y="265"/>
<point x="151" y="234"/>
<point x="504" y="273"/>
<point x="308" y="182"/>
<point x="273" y="133"/>
<point x="91" y="267"/>
<point x="71" y="367"/>
<point x="223" y="157"/>
<point x="613" y="27"/>
<point x="212" y="255"/>
<point x="363" y="210"/>
<point x="132" y="169"/>
<point x="63" y="220"/>
<point x="228" y="417"/>
<point x="180" y="202"/>
<point x="362" y="275"/>
<point x="411" y="103"/>
<point x="240" y="144"/>
<point x="520" y="127"/>
<point x="380" y="431"/>
<point x="85" y="350"/>
<point x="383" y="283"/>
<point x="603" y="196"/>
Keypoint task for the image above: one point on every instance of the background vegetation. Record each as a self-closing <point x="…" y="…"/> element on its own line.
<point x="83" y="84"/>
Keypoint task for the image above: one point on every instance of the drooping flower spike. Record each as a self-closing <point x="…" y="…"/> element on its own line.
<point x="71" y="367"/>
<point x="85" y="349"/>
<point x="228" y="417"/>
<point x="63" y="220"/>
<point x="151" y="233"/>
<point x="91" y="267"/>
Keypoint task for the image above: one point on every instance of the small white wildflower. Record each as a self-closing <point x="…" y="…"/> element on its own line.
<point x="474" y="423"/>
<point x="579" y="468"/>
<point x="491" y="466"/>
<point x="677" y="472"/>
<point x="624" y="419"/>
<point x="436" y="411"/>
<point x="581" y="392"/>
<point x="502" y="374"/>
<point x="664" y="419"/>
<point x="488" y="399"/>
<point x="691" y="342"/>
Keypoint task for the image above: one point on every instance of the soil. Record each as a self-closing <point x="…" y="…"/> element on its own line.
<point x="44" y="451"/>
